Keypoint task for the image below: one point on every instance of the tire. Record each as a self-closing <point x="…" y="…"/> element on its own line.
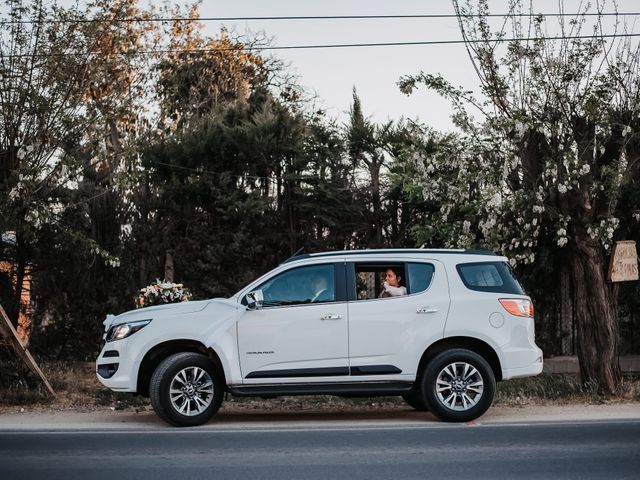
<point x="415" y="399"/>
<point x="466" y="382"/>
<point x="198" y="389"/>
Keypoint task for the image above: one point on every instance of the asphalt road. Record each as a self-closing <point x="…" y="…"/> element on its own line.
<point x="585" y="450"/>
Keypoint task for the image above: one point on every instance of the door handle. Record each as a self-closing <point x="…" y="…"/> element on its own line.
<point x="331" y="316"/>
<point x="427" y="310"/>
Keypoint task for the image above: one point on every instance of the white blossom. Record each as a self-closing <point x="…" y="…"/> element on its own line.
<point x="585" y="169"/>
<point x="495" y="200"/>
<point x="13" y="194"/>
<point x="113" y="262"/>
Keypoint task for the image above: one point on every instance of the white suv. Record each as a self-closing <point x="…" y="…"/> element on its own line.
<point x="438" y="327"/>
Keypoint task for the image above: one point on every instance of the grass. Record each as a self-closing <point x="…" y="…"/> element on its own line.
<point x="78" y="389"/>
<point x="561" y="389"/>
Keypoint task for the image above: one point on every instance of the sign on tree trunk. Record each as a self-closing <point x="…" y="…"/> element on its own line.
<point x="623" y="265"/>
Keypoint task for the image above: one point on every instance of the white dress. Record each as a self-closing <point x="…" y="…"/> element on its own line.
<point x="393" y="291"/>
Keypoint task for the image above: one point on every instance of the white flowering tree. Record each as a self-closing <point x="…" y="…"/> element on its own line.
<point x="549" y="148"/>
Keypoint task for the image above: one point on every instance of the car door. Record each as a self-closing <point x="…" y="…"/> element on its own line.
<point x="301" y="331"/>
<point x="387" y="336"/>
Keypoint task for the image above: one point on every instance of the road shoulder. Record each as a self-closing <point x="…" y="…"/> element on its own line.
<point x="147" y="420"/>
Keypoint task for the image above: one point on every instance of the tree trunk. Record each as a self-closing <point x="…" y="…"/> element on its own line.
<point x="374" y="173"/>
<point x="596" y="316"/>
<point x="566" y="312"/>
<point x="168" y="265"/>
<point x="17" y="282"/>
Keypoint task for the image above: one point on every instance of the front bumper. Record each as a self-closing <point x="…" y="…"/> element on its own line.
<point x="114" y="369"/>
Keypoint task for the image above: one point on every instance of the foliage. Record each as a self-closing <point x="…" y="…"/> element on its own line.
<point x="556" y="146"/>
<point x="238" y="192"/>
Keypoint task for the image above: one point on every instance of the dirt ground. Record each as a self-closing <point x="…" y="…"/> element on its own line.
<point x="79" y="391"/>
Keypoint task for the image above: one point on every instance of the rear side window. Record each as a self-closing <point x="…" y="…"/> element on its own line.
<point x="490" y="277"/>
<point x="420" y="276"/>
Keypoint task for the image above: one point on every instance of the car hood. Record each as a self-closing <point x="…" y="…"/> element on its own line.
<point x="170" y="310"/>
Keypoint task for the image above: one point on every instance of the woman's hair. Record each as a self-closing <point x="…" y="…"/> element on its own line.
<point x="398" y="272"/>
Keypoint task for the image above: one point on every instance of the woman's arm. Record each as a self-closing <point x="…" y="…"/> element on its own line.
<point x="395" y="291"/>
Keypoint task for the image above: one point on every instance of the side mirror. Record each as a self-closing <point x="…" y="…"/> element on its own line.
<point x="255" y="300"/>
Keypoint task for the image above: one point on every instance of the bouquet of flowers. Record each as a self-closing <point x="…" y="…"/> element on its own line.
<point x="163" y="292"/>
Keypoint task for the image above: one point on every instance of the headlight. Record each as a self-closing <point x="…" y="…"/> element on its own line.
<point x="118" y="332"/>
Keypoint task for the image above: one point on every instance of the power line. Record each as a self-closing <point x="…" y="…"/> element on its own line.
<point x="208" y="172"/>
<point x="320" y="17"/>
<point x="321" y="46"/>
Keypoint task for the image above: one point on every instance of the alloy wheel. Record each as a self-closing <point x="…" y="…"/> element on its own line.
<point x="459" y="386"/>
<point x="191" y="391"/>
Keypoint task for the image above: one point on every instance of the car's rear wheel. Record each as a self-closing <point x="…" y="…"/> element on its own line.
<point x="458" y="385"/>
<point x="415" y="399"/>
<point x="186" y="389"/>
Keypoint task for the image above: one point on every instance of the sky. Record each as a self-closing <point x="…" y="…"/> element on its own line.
<point x="374" y="71"/>
<point x="332" y="73"/>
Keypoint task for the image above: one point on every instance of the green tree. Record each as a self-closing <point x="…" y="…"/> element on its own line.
<point x="367" y="146"/>
<point x="239" y="191"/>
<point x="41" y="82"/>
<point x="70" y="99"/>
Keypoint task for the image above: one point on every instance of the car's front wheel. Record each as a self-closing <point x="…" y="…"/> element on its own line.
<point x="186" y="389"/>
<point x="458" y="385"/>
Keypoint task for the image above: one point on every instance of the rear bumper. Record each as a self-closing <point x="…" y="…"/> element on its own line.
<point x="529" y="370"/>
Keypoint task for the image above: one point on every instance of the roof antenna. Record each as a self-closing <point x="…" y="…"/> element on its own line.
<point x="298" y="252"/>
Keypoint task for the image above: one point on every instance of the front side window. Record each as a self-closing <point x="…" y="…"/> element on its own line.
<point x="311" y="284"/>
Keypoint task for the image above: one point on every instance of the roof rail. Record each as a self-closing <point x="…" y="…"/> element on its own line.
<point x="468" y="251"/>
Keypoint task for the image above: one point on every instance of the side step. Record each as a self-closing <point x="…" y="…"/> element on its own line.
<point x="372" y="389"/>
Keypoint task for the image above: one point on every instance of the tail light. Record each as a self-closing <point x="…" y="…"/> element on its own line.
<point x="518" y="306"/>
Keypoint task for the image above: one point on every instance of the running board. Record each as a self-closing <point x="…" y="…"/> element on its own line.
<point x="359" y="389"/>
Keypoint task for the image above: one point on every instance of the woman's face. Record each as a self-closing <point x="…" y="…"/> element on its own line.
<point x="392" y="279"/>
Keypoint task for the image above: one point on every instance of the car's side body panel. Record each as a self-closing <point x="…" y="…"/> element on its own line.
<point x="282" y="343"/>
<point x="393" y="331"/>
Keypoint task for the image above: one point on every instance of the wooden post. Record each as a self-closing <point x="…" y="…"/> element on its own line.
<point x="7" y="331"/>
